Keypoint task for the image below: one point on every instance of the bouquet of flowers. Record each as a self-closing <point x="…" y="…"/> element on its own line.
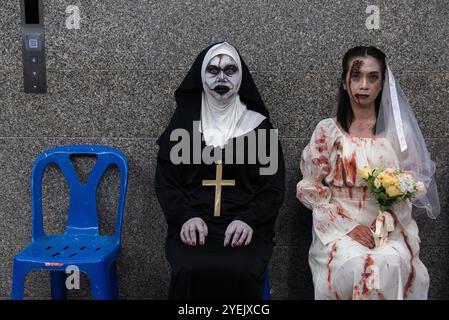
<point x="389" y="186"/>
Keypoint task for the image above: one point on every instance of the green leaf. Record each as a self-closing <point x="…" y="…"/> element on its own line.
<point x="383" y="196"/>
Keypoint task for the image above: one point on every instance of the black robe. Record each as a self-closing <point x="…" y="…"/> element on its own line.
<point x="213" y="271"/>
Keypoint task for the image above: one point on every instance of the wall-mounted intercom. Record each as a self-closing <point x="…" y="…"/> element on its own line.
<point x="33" y="46"/>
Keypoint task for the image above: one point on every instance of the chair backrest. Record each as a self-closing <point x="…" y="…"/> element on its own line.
<point x="82" y="213"/>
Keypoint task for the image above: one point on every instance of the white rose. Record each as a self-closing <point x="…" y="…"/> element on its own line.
<point x="420" y="189"/>
<point x="406" y="183"/>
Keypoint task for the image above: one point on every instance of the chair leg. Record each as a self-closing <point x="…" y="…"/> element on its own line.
<point x="100" y="284"/>
<point x="266" y="291"/>
<point x="58" y="286"/>
<point x="18" y="281"/>
<point x="113" y="281"/>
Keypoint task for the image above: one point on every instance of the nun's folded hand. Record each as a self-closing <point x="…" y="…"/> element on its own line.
<point x="239" y="232"/>
<point x="189" y="230"/>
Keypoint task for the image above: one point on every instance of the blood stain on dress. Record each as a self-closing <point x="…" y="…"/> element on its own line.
<point x="368" y="262"/>
<point x="320" y="161"/>
<point x="380" y="295"/>
<point x="340" y="174"/>
<point x="320" y="189"/>
<point x="337" y="146"/>
<point x="340" y="212"/>
<point x="321" y="142"/>
<point x="363" y="199"/>
<point x="331" y="215"/>
<point x="351" y="168"/>
<point x="356" y="293"/>
<point x="411" y="276"/>
<point x="329" y="271"/>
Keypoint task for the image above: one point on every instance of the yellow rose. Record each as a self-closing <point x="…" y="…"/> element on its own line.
<point x="377" y="182"/>
<point x="381" y="175"/>
<point x="389" y="180"/>
<point x="393" y="191"/>
<point x="363" y="173"/>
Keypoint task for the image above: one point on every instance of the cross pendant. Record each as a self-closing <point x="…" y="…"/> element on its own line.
<point x="218" y="183"/>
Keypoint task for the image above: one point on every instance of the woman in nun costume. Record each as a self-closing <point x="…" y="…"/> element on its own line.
<point x="219" y="204"/>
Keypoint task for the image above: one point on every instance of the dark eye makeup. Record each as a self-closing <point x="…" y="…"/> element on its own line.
<point x="228" y="70"/>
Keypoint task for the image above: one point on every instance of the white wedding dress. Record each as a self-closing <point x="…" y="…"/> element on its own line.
<point x="342" y="268"/>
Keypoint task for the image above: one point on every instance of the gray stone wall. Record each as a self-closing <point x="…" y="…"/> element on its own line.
<point x="112" y="82"/>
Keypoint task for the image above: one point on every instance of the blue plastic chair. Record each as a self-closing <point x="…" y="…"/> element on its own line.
<point x="81" y="245"/>
<point x="266" y="290"/>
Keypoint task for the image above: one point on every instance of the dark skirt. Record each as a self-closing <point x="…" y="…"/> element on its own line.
<point x="216" y="272"/>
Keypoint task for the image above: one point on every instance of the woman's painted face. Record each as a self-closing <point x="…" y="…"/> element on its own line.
<point x="222" y="77"/>
<point x="363" y="80"/>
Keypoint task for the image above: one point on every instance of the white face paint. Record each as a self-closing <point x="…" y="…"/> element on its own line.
<point x="222" y="78"/>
